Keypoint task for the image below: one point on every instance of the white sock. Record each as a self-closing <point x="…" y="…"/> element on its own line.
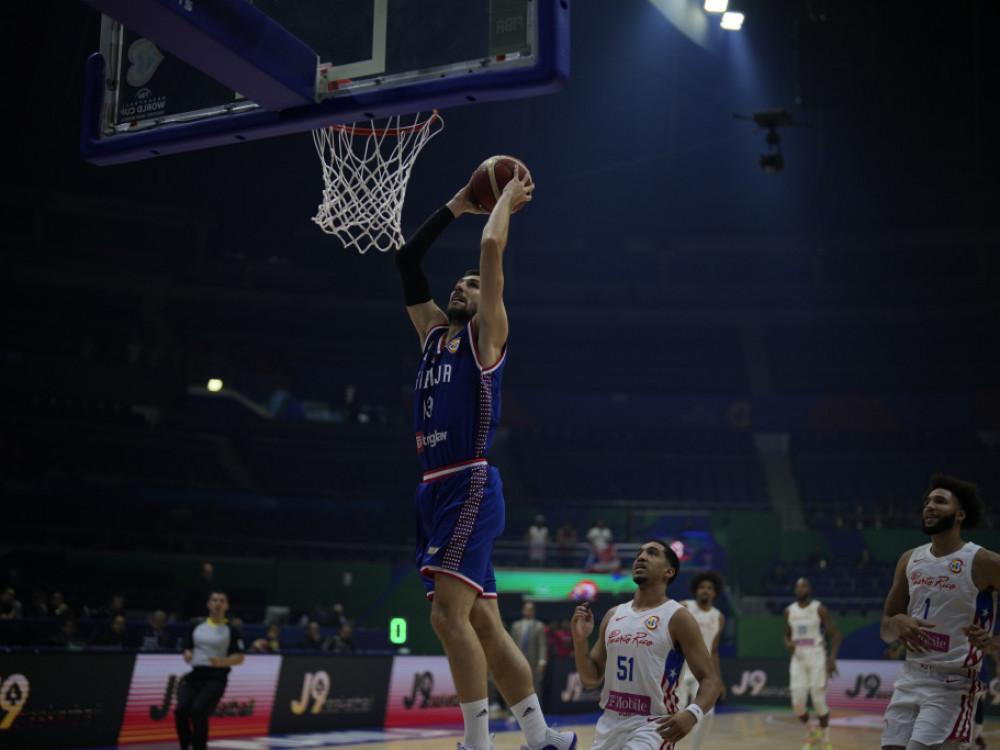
<point x="477" y="724"/>
<point x="529" y="715"/>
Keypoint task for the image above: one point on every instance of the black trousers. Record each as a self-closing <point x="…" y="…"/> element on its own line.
<point x="197" y="696"/>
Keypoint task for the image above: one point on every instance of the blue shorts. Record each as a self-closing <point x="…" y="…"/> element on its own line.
<point x="459" y="517"/>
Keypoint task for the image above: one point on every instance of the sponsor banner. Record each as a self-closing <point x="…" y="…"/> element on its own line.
<point x="318" y="693"/>
<point x="62" y="700"/>
<point x="860" y="685"/>
<point x="756" y="682"/>
<point x="245" y="708"/>
<point x="421" y="691"/>
<point x="563" y="691"/>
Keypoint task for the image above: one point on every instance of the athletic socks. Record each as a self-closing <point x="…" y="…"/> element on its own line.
<point x="477" y="724"/>
<point x="529" y="715"/>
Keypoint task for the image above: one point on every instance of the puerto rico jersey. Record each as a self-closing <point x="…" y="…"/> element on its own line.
<point x="456" y="405"/>
<point x="942" y="592"/>
<point x="710" y="624"/>
<point x="643" y="667"/>
<point x="806" y="626"/>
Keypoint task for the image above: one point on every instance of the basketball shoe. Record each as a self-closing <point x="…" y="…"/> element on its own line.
<point x="462" y="747"/>
<point x="556" y="741"/>
<point x="979" y="743"/>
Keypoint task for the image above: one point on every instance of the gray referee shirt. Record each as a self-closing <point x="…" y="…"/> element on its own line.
<point x="210" y="639"/>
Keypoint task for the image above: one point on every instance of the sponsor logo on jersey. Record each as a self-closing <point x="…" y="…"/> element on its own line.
<point x="628" y="704"/>
<point x="652" y="622"/>
<point x="454" y="344"/>
<point x="937" y="641"/>
<point x="430" y="440"/>
<point x="955" y="566"/>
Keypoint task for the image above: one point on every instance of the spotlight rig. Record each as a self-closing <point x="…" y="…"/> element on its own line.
<point x="773" y="161"/>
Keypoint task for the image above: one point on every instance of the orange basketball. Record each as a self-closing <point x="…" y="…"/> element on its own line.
<point x="490" y="177"/>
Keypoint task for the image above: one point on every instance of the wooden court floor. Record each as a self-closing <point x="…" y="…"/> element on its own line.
<point x="748" y="730"/>
<point x="769" y="729"/>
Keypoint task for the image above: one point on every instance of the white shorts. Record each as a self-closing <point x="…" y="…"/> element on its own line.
<point x="628" y="733"/>
<point x="807" y="669"/>
<point x="930" y="706"/>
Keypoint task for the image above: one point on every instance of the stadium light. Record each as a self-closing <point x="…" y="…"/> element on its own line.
<point x="214" y="385"/>
<point x="716" y="6"/>
<point x="732" y="21"/>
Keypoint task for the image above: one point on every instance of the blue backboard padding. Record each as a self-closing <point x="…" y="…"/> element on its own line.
<point x="230" y="40"/>
<point x="548" y="75"/>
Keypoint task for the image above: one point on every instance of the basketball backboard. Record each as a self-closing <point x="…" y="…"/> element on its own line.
<point x="179" y="75"/>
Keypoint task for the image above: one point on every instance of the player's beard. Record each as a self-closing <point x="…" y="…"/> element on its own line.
<point x="639" y="577"/>
<point x="459" y="315"/>
<point x="704" y="601"/>
<point x="942" y="524"/>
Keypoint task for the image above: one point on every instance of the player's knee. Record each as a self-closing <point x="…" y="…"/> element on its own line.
<point x="819" y="701"/>
<point x="799" y="696"/>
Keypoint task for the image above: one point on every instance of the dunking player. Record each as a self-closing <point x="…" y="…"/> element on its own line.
<point x="706" y="587"/>
<point x="639" y="654"/>
<point x="807" y="626"/>
<point x="459" y="505"/>
<point x="942" y="606"/>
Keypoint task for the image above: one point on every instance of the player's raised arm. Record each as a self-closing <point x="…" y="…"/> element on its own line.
<point x="491" y="320"/>
<point x="589" y="664"/>
<point x="420" y="305"/>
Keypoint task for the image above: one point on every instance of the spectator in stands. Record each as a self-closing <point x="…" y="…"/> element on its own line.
<point x="566" y="539"/>
<point x="115" y="606"/>
<point x="311" y="639"/>
<point x="333" y="617"/>
<point x="599" y="536"/>
<point x="156" y="637"/>
<point x="68" y="636"/>
<point x="58" y="606"/>
<point x="274" y="638"/>
<point x="342" y="642"/>
<point x="116" y="635"/>
<point x="864" y="559"/>
<point x="560" y="639"/>
<point x="603" y="556"/>
<point x="529" y="635"/>
<point x="10" y="607"/>
<point x="271" y="644"/>
<point x="537" y="539"/>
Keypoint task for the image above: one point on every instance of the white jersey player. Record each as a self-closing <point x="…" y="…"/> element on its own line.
<point x="639" y="653"/>
<point x="942" y="607"/>
<point x="706" y="586"/>
<point x="807" y="626"/>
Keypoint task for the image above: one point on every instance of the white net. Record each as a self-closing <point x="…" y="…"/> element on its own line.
<point x="365" y="172"/>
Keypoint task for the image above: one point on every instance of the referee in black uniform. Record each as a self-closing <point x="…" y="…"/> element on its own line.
<point x="212" y="647"/>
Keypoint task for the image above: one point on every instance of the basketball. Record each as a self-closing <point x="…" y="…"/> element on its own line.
<point x="490" y="177"/>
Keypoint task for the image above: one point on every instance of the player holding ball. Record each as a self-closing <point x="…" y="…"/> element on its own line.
<point x="460" y="504"/>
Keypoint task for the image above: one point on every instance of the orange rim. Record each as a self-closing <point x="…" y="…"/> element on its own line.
<point x="405" y="130"/>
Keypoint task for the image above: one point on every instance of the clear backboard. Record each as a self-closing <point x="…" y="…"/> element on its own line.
<point x="179" y="75"/>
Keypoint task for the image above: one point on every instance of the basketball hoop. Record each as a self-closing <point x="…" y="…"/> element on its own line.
<point x="365" y="172"/>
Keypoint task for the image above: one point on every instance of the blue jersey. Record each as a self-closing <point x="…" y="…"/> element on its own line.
<point x="456" y="405"/>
